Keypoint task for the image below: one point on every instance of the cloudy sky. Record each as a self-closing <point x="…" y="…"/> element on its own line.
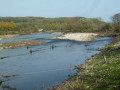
<point x="60" y="8"/>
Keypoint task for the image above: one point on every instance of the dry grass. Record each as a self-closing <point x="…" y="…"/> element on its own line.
<point x="107" y="34"/>
<point x="6" y="36"/>
<point x="21" y="44"/>
<point x="6" y="76"/>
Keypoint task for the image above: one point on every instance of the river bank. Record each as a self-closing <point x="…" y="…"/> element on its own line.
<point x="99" y="72"/>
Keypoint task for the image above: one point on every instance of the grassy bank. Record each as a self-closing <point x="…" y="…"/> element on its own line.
<point x="101" y="72"/>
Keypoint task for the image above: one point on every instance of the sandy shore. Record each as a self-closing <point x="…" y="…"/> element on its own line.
<point x="56" y="32"/>
<point x="78" y="36"/>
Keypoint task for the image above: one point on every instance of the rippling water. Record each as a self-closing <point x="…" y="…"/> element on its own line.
<point x="46" y="66"/>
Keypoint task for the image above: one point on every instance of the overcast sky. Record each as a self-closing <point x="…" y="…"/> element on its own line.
<point x="60" y="8"/>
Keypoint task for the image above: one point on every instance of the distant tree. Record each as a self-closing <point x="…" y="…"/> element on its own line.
<point x="7" y="26"/>
<point x="116" y="20"/>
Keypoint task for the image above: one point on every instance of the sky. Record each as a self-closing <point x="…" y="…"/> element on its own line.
<point x="60" y="8"/>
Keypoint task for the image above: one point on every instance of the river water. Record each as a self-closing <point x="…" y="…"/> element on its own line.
<point x="45" y="66"/>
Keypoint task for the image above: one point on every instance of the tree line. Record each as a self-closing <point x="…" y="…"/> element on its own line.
<point x="26" y="25"/>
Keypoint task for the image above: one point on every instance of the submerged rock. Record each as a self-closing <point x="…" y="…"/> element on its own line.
<point x="2" y="58"/>
<point x="6" y="76"/>
<point x="0" y="81"/>
<point x="30" y="51"/>
<point x="52" y="46"/>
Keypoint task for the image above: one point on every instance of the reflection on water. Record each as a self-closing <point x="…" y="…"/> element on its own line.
<point x="46" y="65"/>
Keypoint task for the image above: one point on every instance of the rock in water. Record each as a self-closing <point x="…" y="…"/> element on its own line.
<point x="0" y="81"/>
<point x="2" y="58"/>
<point x="52" y="46"/>
<point x="30" y="51"/>
<point x="27" y="47"/>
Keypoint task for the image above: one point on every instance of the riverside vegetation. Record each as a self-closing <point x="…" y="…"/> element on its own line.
<point x="28" y="25"/>
<point x="101" y="72"/>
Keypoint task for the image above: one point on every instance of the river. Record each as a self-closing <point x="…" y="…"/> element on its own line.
<point x="45" y="66"/>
